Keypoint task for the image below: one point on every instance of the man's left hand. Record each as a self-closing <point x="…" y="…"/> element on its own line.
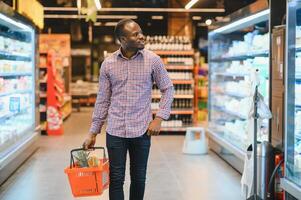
<point x="154" y="126"/>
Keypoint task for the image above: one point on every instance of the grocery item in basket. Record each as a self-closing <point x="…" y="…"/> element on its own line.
<point x="82" y="158"/>
<point x="93" y="161"/>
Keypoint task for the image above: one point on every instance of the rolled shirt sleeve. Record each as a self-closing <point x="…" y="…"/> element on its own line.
<point x="102" y="101"/>
<point x="165" y="85"/>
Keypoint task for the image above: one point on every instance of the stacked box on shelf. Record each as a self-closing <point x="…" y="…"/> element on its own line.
<point x="51" y="93"/>
<point x="58" y="45"/>
<point x="178" y="57"/>
<point x="201" y="89"/>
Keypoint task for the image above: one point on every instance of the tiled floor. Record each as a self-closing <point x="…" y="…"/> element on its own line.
<point x="171" y="174"/>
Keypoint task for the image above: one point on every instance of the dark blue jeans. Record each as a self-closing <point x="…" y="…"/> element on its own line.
<point x="138" y="150"/>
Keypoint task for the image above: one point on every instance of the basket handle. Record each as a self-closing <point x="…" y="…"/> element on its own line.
<point x="82" y="149"/>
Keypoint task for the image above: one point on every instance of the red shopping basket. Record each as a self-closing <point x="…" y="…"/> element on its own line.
<point x="90" y="181"/>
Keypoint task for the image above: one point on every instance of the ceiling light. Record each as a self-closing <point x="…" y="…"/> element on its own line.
<point x="222" y="19"/>
<point x="244" y="22"/>
<point x="15" y="23"/>
<point x="190" y="4"/>
<point x="201" y="24"/>
<point x="97" y="24"/>
<point x="97" y="4"/>
<point x="157" y="17"/>
<point x="61" y="16"/>
<point x="111" y="23"/>
<point x="208" y="22"/>
<point x="117" y="17"/>
<point x="196" y="18"/>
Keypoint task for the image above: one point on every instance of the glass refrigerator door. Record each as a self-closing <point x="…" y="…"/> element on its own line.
<point x="17" y="97"/>
<point x="236" y="51"/>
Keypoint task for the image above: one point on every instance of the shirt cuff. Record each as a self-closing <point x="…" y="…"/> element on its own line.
<point x="164" y="114"/>
<point x="95" y="128"/>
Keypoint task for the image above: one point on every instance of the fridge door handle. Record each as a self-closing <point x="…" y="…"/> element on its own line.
<point x="277" y="122"/>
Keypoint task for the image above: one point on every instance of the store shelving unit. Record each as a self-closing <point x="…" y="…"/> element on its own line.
<point x="292" y="125"/>
<point x="182" y="112"/>
<point x="18" y="130"/>
<point x="236" y="50"/>
<point x="52" y="94"/>
<point x="58" y="45"/>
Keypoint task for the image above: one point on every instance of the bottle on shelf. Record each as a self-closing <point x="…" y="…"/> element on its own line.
<point x="178" y="43"/>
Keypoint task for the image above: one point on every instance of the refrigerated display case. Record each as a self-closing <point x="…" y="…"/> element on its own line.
<point x="236" y="50"/>
<point x="292" y="179"/>
<point x="17" y="90"/>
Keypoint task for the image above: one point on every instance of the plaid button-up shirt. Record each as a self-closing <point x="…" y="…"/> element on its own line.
<point x="125" y="94"/>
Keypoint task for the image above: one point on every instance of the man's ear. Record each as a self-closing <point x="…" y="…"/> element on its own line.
<point x="122" y="39"/>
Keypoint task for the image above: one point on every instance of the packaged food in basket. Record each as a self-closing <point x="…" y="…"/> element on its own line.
<point x="82" y="158"/>
<point x="93" y="161"/>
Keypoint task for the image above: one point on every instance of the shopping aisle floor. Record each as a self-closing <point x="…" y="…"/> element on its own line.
<point x="171" y="174"/>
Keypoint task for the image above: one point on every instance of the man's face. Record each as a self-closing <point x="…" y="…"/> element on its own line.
<point x="133" y="37"/>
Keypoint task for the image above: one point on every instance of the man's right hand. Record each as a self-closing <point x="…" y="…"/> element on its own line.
<point x="90" y="141"/>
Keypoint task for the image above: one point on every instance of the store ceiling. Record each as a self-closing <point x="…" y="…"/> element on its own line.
<point x="149" y="25"/>
<point x="229" y="5"/>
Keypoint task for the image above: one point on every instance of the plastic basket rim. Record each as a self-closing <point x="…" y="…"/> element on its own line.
<point x="86" y="169"/>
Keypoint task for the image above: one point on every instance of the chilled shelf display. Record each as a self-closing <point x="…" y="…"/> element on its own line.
<point x="236" y="51"/>
<point x="17" y="89"/>
<point x="292" y="179"/>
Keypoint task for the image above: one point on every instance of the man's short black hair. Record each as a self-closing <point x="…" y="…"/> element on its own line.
<point x="120" y="26"/>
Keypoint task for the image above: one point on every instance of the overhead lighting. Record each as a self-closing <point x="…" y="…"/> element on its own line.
<point x="244" y="22"/>
<point x="208" y="22"/>
<point x="97" y="4"/>
<point x="196" y="18"/>
<point x="61" y="16"/>
<point x="117" y="17"/>
<point x="111" y="23"/>
<point x="190" y="4"/>
<point x="157" y="17"/>
<point x="15" y="23"/>
<point x="97" y="24"/>
<point x="201" y="24"/>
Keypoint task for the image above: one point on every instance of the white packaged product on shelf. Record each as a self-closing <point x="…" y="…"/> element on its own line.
<point x="298" y="94"/>
<point x="298" y="36"/>
<point x="260" y="42"/>
<point x="298" y="63"/>
<point x="242" y="88"/>
<point x="236" y="131"/>
<point x="298" y="123"/>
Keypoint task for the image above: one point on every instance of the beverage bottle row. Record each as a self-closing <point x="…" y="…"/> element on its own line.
<point x="177" y="122"/>
<point x="168" y="43"/>
<point x="181" y="103"/>
<point x="180" y="75"/>
<point x="176" y="104"/>
<point x="179" y="90"/>
<point x="172" y="123"/>
<point x="179" y="60"/>
<point x="183" y="90"/>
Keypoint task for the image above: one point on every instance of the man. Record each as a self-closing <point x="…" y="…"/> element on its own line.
<point x="125" y="86"/>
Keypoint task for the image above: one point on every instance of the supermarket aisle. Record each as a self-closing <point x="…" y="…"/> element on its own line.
<point x="171" y="175"/>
